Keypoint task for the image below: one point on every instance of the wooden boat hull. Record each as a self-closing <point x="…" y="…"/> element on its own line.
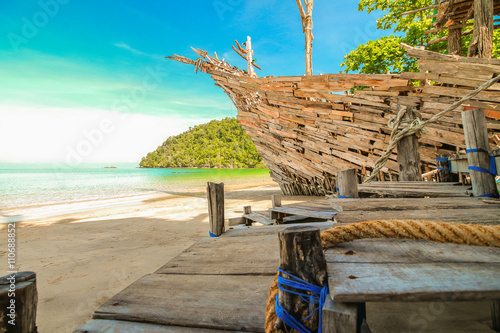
<point x="307" y="128"/>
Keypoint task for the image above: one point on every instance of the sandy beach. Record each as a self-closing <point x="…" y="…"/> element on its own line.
<point x="84" y="258"/>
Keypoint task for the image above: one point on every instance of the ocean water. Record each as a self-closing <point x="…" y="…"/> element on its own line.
<point x="34" y="185"/>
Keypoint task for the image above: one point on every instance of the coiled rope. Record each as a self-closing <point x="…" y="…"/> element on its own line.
<point x="417" y="127"/>
<point x="444" y="232"/>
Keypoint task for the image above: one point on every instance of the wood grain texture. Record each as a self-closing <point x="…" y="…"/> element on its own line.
<point x="207" y="301"/>
<point x="270" y="230"/>
<point x="476" y="137"/>
<point x="339" y="317"/>
<point x="403" y="270"/>
<point x="118" y="326"/>
<point x="251" y="255"/>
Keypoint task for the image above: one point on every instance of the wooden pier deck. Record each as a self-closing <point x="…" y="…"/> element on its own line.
<point x="222" y="284"/>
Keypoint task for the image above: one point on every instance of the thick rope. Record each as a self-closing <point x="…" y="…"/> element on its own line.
<point x="412" y="128"/>
<point x="444" y="232"/>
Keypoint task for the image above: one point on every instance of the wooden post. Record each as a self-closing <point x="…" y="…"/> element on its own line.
<point x="476" y="137"/>
<point x="20" y="287"/>
<point x="347" y="181"/>
<point x="408" y="154"/>
<point x="455" y="41"/>
<point x="481" y="45"/>
<point x="301" y="254"/>
<point x="248" y="45"/>
<point x="306" y="18"/>
<point x="215" y="196"/>
<point x="276" y="200"/>
<point x="495" y="315"/>
<point x="247" y="210"/>
<point x="444" y="174"/>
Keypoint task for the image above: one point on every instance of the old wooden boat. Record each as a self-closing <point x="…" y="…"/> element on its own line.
<point x="307" y="128"/>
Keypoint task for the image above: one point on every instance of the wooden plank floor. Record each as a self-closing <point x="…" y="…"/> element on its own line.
<point x="223" y="283"/>
<point x="453" y="209"/>
<point x="406" y="270"/>
<point x="216" y="284"/>
<point x="416" y="189"/>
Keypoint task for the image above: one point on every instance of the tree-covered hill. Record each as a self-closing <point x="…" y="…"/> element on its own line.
<point x="217" y="144"/>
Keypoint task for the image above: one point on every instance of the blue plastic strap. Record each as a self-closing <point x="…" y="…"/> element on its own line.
<point x="341" y="196"/>
<point x="447" y="169"/>
<point x="308" y="292"/>
<point x="211" y="234"/>
<point x="492" y="170"/>
<point x="478" y="169"/>
<point x="442" y="159"/>
<point x="475" y="150"/>
<point x="494" y="195"/>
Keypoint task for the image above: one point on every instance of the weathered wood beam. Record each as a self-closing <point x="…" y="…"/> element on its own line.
<point x="419" y="10"/>
<point x="476" y="138"/>
<point x="455" y="41"/>
<point x="309" y="36"/>
<point x="408" y="154"/>
<point x="347" y="181"/>
<point x="481" y="45"/>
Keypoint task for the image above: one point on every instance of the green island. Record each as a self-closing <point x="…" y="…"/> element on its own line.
<point x="217" y="144"/>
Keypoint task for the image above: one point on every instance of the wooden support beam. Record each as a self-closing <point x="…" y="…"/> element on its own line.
<point x="476" y="137"/>
<point x="495" y="315"/>
<point x="247" y="210"/>
<point x="347" y="181"/>
<point x="481" y="45"/>
<point x="215" y="196"/>
<point x="444" y="173"/>
<point x="276" y="200"/>
<point x="455" y="41"/>
<point x="408" y="154"/>
<point x="340" y="317"/>
<point x="20" y="315"/>
<point x="309" y="36"/>
<point x="301" y="254"/>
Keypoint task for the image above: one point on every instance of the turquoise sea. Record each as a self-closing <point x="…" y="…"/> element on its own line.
<point x="34" y="185"/>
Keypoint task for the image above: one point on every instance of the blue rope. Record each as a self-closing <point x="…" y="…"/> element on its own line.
<point x="308" y="292"/>
<point x="211" y="234"/>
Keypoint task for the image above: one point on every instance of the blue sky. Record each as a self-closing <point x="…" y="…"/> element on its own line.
<point x="86" y="81"/>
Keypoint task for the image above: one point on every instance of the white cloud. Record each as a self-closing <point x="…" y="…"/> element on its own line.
<point x="82" y="135"/>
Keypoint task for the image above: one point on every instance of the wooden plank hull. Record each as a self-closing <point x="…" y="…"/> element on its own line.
<point x="307" y="128"/>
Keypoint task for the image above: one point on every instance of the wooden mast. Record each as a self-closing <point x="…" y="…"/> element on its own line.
<point x="306" y="18"/>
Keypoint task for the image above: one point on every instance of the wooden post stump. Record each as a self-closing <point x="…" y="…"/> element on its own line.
<point x="347" y="181"/>
<point x="477" y="142"/>
<point x="301" y="254"/>
<point x="215" y="196"/>
<point x="18" y="301"/>
<point x="408" y="154"/>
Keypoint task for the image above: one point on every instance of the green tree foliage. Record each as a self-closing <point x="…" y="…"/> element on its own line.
<point x="217" y="144"/>
<point x="384" y="54"/>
